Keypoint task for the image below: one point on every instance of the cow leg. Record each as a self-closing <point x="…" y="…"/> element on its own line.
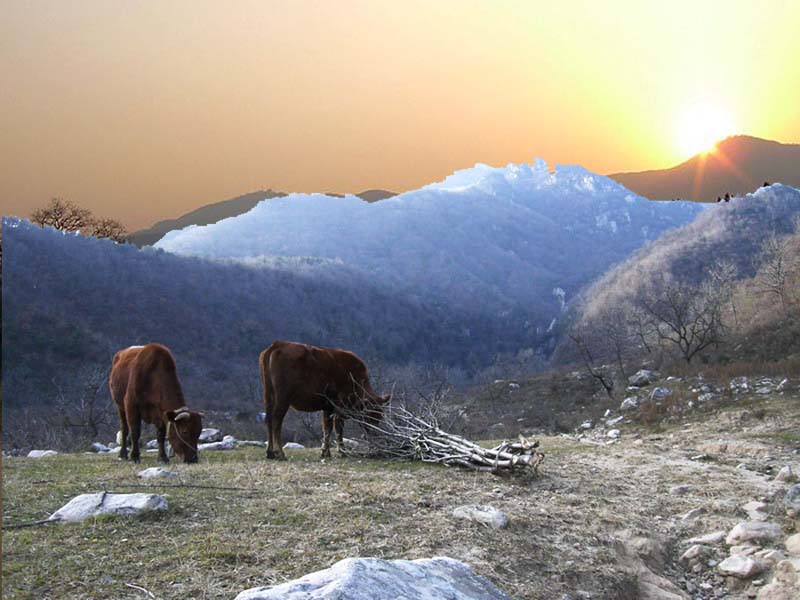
<point x="123" y="426"/>
<point x="161" y="432"/>
<point x="276" y="424"/>
<point x="327" y="425"/>
<point x="135" y="427"/>
<point x="338" y="426"/>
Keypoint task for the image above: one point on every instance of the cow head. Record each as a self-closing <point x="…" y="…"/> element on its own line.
<point x="183" y="429"/>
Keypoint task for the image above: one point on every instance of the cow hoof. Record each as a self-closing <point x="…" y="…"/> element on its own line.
<point x="136" y="459"/>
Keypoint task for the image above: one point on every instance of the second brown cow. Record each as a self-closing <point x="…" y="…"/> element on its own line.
<point x="309" y="379"/>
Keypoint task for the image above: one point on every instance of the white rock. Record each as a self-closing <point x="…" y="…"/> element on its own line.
<point x="764" y="390"/>
<point x="439" y="578"/>
<point x="740" y="566"/>
<point x="154" y="472"/>
<point x="614" y="433"/>
<point x="770" y="556"/>
<point x="693" y="514"/>
<point x="707" y="397"/>
<point x="710" y="538"/>
<point x="755" y="510"/>
<point x="209" y="435"/>
<point x="486" y="515"/>
<point x="100" y="448"/>
<point x="102" y="503"/>
<point x="782" y="385"/>
<point x="793" y="544"/>
<point x="643" y="378"/>
<point x="660" y="393"/>
<point x="753" y="531"/>
<point x="615" y="421"/>
<point x="786" y="475"/>
<point x="225" y="444"/>
<point x="629" y="403"/>
<point x="694" y="552"/>
<point x="744" y="549"/>
<point x="293" y="446"/>
<point x="585" y="425"/>
<point x="41" y="453"/>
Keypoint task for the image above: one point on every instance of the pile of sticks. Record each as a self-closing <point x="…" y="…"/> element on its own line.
<point x="403" y="435"/>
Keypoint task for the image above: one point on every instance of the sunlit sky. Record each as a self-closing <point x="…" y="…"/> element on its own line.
<point x="145" y="110"/>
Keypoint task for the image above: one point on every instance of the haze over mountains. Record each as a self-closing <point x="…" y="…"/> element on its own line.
<point x="739" y="164"/>
<point x="516" y="241"/>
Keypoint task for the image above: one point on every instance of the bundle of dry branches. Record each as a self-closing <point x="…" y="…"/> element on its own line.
<point x="403" y="435"/>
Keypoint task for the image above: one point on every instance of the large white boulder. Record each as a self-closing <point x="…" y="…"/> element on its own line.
<point x="753" y="531"/>
<point x="104" y="503"/>
<point x="741" y="566"/>
<point x="41" y="453"/>
<point x="438" y="578"/>
<point x="293" y="446"/>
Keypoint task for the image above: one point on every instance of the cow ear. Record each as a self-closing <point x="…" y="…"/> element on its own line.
<point x="200" y="413"/>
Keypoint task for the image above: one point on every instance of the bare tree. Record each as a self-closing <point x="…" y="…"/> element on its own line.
<point x="85" y="408"/>
<point x="581" y="337"/>
<point x="777" y="265"/>
<point x="62" y="214"/>
<point x="109" y="228"/>
<point x="722" y="275"/>
<point x="688" y="316"/>
<point x="68" y="216"/>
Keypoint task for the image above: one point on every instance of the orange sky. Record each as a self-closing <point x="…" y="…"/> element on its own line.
<point x="145" y="110"/>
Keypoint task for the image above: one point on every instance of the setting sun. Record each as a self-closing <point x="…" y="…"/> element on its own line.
<point x="701" y="125"/>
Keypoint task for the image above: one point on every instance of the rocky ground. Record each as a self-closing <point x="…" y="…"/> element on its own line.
<point x="646" y="506"/>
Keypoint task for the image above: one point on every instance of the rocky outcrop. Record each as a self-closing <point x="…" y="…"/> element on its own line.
<point x="439" y="578"/>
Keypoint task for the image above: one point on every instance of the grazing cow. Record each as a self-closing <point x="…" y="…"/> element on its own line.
<point x="144" y="385"/>
<point x="310" y="379"/>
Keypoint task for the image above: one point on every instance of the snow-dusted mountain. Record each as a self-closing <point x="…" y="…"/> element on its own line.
<point x="515" y="241"/>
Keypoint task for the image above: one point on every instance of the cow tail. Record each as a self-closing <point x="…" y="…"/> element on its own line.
<point x="266" y="383"/>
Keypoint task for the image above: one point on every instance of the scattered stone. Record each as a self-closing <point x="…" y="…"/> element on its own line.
<point x="41" y="453"/>
<point x="585" y="425"/>
<point x="744" y="550"/>
<point x="615" y="421"/>
<point x="227" y="443"/>
<point x="681" y="490"/>
<point x="630" y="403"/>
<point x="643" y="378"/>
<point x="660" y="393"/>
<point x="484" y="514"/>
<point x="791" y="501"/>
<point x="770" y="556"/>
<point x="614" y="433"/>
<point x="753" y="531"/>
<point x="740" y="566"/>
<point x="707" y="397"/>
<point x="100" y="448"/>
<point x="793" y="544"/>
<point x="782" y="385"/>
<point x="209" y="436"/>
<point x="152" y="445"/>
<point x="103" y="503"/>
<point x="764" y="390"/>
<point x="710" y="538"/>
<point x="513" y="386"/>
<point x="755" y="510"/>
<point x="739" y="384"/>
<point x="154" y="472"/>
<point x="439" y="578"/>
<point x="693" y="553"/>
<point x="784" y="585"/>
<point x="693" y="514"/>
<point x="786" y="475"/>
<point x="293" y="446"/>
<point x="607" y="413"/>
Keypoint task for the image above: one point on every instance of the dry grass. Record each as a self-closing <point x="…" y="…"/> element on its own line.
<point x="303" y="515"/>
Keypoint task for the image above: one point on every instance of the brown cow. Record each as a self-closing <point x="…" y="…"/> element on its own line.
<point x="310" y="378"/>
<point x="144" y="385"/>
